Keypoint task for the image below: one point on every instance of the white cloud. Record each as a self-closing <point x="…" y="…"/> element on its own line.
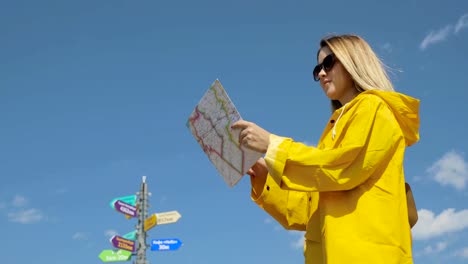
<point x="110" y="233"/>
<point x="429" y="225"/>
<point x="80" y="236"/>
<point x="276" y="225"/>
<point x="461" y="23"/>
<point x="19" y="201"/>
<point x="435" y="37"/>
<point x="387" y="47"/>
<point x="26" y="216"/>
<point x="442" y="34"/>
<point x="439" y="247"/>
<point x="451" y="169"/>
<point x="298" y="242"/>
<point x="462" y="253"/>
<point x="418" y="178"/>
<point x="298" y="236"/>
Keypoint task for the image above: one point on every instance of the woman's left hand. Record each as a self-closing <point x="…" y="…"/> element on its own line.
<point x="252" y="136"/>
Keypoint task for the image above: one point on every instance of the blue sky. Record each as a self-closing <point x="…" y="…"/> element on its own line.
<point x="96" y="94"/>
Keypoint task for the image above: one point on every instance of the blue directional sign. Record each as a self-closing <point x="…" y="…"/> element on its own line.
<point x="165" y="244"/>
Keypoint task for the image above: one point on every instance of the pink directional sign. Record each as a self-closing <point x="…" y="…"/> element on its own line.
<point x="122" y="243"/>
<point x="125" y="208"/>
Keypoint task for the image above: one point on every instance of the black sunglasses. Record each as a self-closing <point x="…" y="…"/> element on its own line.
<point x="327" y="65"/>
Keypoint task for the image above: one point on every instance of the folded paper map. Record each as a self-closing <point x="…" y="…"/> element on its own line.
<point x="210" y="124"/>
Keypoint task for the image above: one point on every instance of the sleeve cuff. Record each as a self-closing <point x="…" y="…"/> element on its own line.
<point x="276" y="156"/>
<point x="260" y="197"/>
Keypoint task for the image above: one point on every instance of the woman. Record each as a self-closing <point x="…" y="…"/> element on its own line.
<point x="348" y="193"/>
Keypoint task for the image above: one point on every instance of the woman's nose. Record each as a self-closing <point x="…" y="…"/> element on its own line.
<point x="322" y="73"/>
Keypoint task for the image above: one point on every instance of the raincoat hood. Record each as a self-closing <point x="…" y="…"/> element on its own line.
<point x="405" y="109"/>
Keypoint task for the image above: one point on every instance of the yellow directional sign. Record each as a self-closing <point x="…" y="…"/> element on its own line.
<point x="149" y="223"/>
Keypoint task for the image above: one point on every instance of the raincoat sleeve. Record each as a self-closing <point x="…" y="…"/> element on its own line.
<point x="364" y="143"/>
<point x="290" y="208"/>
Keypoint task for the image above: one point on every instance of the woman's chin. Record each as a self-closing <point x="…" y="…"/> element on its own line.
<point x="330" y="94"/>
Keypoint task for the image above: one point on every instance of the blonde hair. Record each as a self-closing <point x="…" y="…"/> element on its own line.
<point x="360" y="61"/>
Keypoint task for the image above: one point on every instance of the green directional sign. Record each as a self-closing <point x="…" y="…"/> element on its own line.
<point x="131" y="235"/>
<point x="131" y="200"/>
<point x="115" y="255"/>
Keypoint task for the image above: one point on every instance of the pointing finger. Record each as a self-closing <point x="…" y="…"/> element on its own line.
<point x="240" y="124"/>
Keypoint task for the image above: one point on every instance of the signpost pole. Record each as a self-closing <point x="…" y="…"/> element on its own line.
<point x="142" y="215"/>
<point x="134" y="243"/>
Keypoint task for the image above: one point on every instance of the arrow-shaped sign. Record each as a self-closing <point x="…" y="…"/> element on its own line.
<point x="165" y="244"/>
<point x="149" y="223"/>
<point x="122" y="243"/>
<point x="130" y="235"/>
<point x="131" y="200"/>
<point x="128" y="216"/>
<point x="125" y="208"/>
<point x="161" y="219"/>
<point x="167" y="217"/>
<point x="115" y="256"/>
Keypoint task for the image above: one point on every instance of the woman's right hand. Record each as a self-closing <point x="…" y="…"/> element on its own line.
<point x="258" y="175"/>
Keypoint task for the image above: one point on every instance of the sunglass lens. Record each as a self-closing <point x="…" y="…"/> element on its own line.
<point x="328" y="62"/>
<point x="317" y="70"/>
<point x="327" y="65"/>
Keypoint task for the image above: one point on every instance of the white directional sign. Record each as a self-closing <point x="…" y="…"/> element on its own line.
<point x="167" y="217"/>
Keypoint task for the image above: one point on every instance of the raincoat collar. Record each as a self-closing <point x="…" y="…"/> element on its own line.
<point x="404" y="107"/>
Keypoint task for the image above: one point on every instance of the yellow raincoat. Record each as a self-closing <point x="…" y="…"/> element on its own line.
<point x="348" y="193"/>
